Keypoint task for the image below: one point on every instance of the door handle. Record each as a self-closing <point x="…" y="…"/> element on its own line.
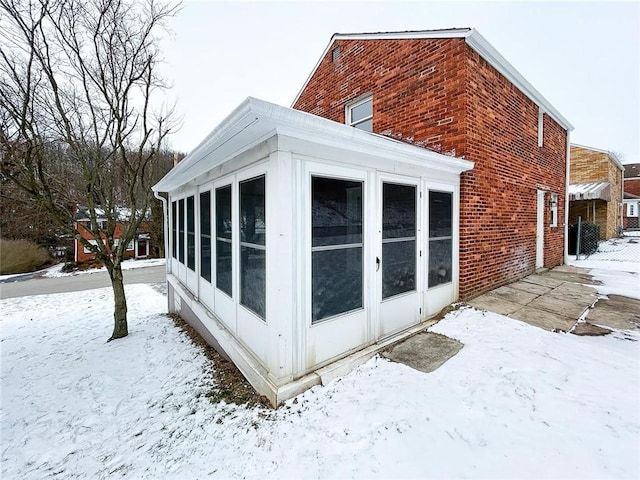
<point x="377" y="264"/>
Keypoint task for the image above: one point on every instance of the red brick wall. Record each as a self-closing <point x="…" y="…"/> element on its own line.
<point x="632" y="186"/>
<point x="81" y="256"/>
<point x="440" y="94"/>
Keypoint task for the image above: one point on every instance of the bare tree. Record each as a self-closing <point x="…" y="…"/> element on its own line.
<point x="78" y="83"/>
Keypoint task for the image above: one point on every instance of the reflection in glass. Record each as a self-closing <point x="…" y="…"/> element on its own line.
<point x="398" y="268"/>
<point x="205" y="235"/>
<point x="398" y="211"/>
<point x="252" y="245"/>
<point x="223" y="240"/>
<point x="336" y="211"/>
<point x="440" y="238"/>
<point x="191" y="233"/>
<point x="439" y="262"/>
<point x="336" y="223"/>
<point x="252" y="277"/>
<point x="336" y="282"/>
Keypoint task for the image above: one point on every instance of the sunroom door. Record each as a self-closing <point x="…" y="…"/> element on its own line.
<point x="398" y="256"/>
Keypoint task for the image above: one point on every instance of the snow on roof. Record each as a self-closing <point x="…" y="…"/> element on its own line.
<point x="590" y="191"/>
<point x="476" y="41"/>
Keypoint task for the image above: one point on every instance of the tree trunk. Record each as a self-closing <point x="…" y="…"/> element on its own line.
<point x="120" y="328"/>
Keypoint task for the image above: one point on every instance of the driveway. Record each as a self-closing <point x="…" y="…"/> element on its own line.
<point x="75" y="283"/>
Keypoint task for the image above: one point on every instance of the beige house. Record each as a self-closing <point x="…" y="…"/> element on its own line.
<point x="595" y="189"/>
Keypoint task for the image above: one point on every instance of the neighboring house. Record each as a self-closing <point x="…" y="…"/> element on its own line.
<point x="139" y="247"/>
<point x="595" y="189"/>
<point x="631" y="198"/>
<point x="301" y="245"/>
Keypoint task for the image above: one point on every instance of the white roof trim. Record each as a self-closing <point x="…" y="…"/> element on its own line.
<point x="476" y="41"/>
<point x="612" y="155"/>
<point x="254" y="121"/>
<point x="590" y="191"/>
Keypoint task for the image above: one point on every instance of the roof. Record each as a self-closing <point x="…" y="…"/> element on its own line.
<point x="631" y="170"/>
<point x="590" y="191"/>
<point x="255" y="121"/>
<point x="630" y="196"/>
<point x="611" y="155"/>
<point x="476" y="41"/>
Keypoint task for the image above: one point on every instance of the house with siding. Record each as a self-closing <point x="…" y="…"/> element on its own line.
<point x="414" y="169"/>
<point x="595" y="189"/>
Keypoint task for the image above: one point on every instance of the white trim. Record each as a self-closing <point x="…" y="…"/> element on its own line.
<point x="348" y="109"/>
<point x="540" y="127"/>
<point x="476" y="41"/>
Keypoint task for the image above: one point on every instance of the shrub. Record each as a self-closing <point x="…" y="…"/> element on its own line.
<point x="21" y="256"/>
<point x="69" y="267"/>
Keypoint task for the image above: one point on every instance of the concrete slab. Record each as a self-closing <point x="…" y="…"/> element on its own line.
<point x="581" y="295"/>
<point x="588" y="329"/>
<point x="563" y="308"/>
<point x="513" y="295"/>
<point x="618" y="312"/>
<point x="543" y="280"/>
<point x="530" y="287"/>
<point x="494" y="304"/>
<point x="577" y="277"/>
<point x="425" y="351"/>
<point x="544" y="319"/>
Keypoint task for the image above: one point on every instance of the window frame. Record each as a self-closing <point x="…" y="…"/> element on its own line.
<point x="349" y="107"/>
<point x="205" y="237"/>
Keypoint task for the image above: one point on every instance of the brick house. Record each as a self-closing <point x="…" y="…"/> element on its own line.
<point x="415" y="168"/>
<point x="139" y="247"/>
<point x="451" y="92"/>
<point x="631" y="198"/>
<point x="595" y="189"/>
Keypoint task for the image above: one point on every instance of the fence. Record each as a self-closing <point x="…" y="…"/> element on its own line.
<point x="585" y="243"/>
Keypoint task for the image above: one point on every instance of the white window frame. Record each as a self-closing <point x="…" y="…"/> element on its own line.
<point x="350" y="106"/>
<point x="85" y="249"/>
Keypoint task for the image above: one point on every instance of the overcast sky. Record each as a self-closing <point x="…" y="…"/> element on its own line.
<point x="582" y="57"/>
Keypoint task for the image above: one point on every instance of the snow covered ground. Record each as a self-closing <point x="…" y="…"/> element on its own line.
<point x="516" y="402"/>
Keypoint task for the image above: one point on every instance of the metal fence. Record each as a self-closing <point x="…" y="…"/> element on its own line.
<point x="585" y="243"/>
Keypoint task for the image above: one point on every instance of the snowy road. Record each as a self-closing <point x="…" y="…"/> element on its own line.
<point x="76" y="283"/>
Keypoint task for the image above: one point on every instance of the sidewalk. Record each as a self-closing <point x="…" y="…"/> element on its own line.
<point x="562" y="300"/>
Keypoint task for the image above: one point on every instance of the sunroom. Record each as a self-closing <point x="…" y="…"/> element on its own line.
<point x="297" y="246"/>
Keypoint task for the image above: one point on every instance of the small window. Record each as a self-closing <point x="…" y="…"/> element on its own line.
<point x="92" y="242"/>
<point x="130" y="245"/>
<point x="632" y="211"/>
<point x="360" y="114"/>
<point x="553" y="210"/>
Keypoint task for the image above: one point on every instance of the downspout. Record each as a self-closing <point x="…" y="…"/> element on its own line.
<point x="566" y="200"/>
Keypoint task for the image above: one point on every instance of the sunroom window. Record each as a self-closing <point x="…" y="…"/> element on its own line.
<point x="336" y="247"/>
<point x="360" y="114"/>
<point x="253" y="245"/>
<point x="191" y="233"/>
<point x="205" y="235"/>
<point x="223" y="240"/>
<point x="440" y="238"/>
<point x="181" y="230"/>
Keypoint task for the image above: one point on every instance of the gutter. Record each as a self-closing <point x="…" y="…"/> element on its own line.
<point x="566" y="200"/>
<point x="165" y="227"/>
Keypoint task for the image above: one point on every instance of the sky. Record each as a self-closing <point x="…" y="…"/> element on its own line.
<point x="583" y="57"/>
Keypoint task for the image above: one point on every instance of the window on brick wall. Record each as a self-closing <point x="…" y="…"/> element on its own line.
<point x="540" y="127"/>
<point x="359" y="114"/>
<point x="553" y="210"/>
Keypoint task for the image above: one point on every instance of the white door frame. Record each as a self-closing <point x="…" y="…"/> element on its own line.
<point x="540" y="229"/>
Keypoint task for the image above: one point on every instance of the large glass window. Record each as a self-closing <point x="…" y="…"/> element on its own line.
<point x="205" y="235"/>
<point x="398" y="239"/>
<point x="174" y="230"/>
<point x="440" y="238"/>
<point x="181" y="230"/>
<point x="360" y="114"/>
<point x="252" y="245"/>
<point x="336" y="248"/>
<point x="191" y="233"/>
<point x="223" y="240"/>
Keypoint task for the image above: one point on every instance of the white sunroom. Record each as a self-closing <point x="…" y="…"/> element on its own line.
<point x="297" y="245"/>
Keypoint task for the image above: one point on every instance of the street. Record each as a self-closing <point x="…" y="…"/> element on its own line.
<point x="76" y="283"/>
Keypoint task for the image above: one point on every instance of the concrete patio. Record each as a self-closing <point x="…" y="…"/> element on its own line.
<point x="562" y="299"/>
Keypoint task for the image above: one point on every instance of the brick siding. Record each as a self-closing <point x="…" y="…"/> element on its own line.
<point x="440" y="94"/>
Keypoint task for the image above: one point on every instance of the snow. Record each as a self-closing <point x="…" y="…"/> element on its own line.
<point x="515" y="402"/>
<point x="126" y="265"/>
